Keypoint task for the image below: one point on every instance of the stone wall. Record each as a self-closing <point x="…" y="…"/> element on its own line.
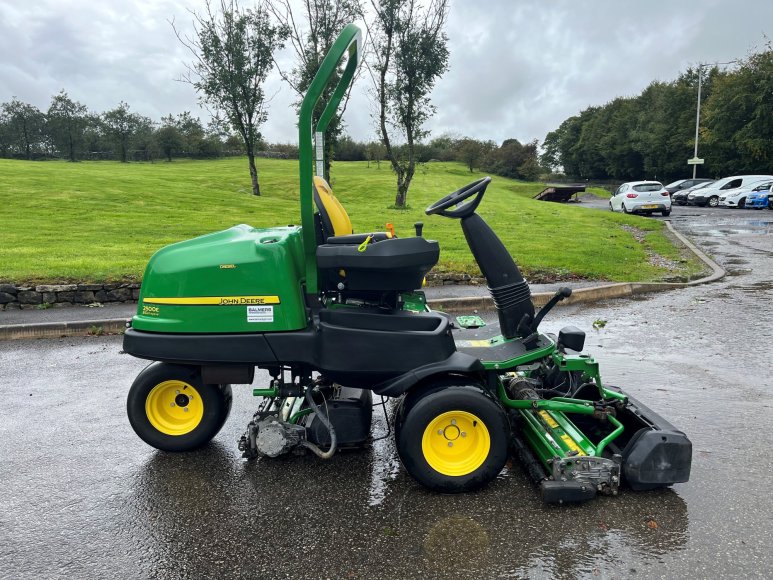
<point x="58" y="295"/>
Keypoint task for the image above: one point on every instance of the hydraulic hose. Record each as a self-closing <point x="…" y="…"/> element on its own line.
<point x="326" y="422"/>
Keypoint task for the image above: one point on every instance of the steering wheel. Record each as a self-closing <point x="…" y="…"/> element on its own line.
<point x="463" y="210"/>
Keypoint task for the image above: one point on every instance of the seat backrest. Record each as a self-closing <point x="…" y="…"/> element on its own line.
<point x="335" y="220"/>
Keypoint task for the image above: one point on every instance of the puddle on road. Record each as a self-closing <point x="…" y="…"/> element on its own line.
<point x="760" y="288"/>
<point x="722" y="232"/>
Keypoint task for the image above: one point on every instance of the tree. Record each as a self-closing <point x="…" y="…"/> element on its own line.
<point x="24" y="125"/>
<point x="192" y="134"/>
<point x="375" y="152"/>
<point x="168" y="138"/>
<point x="233" y="54"/>
<point x="470" y="152"/>
<point x="738" y="130"/>
<point x="121" y="126"/>
<point x="324" y="20"/>
<point x="5" y="135"/>
<point x="66" y="124"/>
<point x="410" y="52"/>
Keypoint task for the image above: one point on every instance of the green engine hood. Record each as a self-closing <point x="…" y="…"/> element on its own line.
<point x="238" y="280"/>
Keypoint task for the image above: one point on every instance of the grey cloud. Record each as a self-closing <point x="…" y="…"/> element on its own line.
<point x="517" y="68"/>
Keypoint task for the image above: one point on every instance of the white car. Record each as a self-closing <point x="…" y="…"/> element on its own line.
<point x="737" y="198"/>
<point x="645" y="197"/>
<point x="710" y="195"/>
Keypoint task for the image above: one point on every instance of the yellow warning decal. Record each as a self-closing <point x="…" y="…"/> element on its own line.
<point x="214" y="300"/>
<point x="570" y="443"/>
<point x="548" y="419"/>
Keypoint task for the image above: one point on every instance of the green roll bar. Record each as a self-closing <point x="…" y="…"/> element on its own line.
<point x="349" y="41"/>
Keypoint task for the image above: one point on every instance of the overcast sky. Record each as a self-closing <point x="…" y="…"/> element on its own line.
<point x="517" y="68"/>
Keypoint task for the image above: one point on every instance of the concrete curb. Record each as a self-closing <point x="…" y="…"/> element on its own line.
<point x="579" y="296"/>
<point x="62" y="329"/>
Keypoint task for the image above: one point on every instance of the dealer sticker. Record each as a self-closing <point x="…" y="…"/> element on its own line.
<point x="260" y="314"/>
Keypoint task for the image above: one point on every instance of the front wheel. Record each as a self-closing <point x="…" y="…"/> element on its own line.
<point x="453" y="440"/>
<point x="172" y="409"/>
<point x="713" y="201"/>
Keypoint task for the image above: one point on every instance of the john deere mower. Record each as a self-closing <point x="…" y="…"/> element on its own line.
<point x="335" y="317"/>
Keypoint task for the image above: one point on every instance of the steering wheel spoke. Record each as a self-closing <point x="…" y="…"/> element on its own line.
<point x="454" y="200"/>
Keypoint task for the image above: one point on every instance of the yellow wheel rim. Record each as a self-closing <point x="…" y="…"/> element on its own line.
<point x="456" y="443"/>
<point x="174" y="407"/>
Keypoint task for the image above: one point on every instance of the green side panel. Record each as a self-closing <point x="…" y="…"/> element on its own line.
<point x="238" y="280"/>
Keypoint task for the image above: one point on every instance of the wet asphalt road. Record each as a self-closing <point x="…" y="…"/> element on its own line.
<point x="83" y="497"/>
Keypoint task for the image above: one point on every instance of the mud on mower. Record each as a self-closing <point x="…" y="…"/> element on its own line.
<point x="336" y="317"/>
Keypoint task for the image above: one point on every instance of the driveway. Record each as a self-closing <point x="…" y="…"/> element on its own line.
<point x="83" y="497"/>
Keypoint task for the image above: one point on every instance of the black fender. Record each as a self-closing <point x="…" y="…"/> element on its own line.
<point x="457" y="363"/>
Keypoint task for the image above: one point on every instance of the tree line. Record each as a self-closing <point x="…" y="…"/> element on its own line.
<point x="68" y="130"/>
<point x="510" y="159"/>
<point x="652" y="135"/>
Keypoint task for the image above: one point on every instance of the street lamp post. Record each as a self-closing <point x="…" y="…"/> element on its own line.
<point x="695" y="161"/>
<point x="697" y="119"/>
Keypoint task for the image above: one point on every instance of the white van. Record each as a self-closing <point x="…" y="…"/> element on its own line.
<point x="710" y="195"/>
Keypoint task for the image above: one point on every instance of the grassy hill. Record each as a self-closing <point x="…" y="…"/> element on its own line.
<point x="101" y="221"/>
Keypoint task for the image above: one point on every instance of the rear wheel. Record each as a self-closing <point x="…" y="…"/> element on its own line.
<point x="172" y="409"/>
<point x="625" y="209"/>
<point x="666" y="212"/>
<point x="454" y="439"/>
<point x="713" y="201"/>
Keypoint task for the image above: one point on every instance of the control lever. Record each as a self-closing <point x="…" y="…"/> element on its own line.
<point x="557" y="297"/>
<point x="419" y="227"/>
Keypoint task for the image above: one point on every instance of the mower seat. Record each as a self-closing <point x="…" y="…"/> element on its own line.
<point x="334" y="222"/>
<point x="373" y="262"/>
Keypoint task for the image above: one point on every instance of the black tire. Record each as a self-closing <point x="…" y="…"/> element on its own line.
<point x="156" y="399"/>
<point x="742" y="203"/>
<point x="474" y="418"/>
<point x="666" y="212"/>
<point x="610" y="207"/>
<point x="713" y="201"/>
<point x="625" y="210"/>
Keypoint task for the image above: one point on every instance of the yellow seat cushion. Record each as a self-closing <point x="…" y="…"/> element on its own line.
<point x="332" y="212"/>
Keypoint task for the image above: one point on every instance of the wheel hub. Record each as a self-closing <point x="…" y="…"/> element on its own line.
<point x="174" y="407"/>
<point x="456" y="443"/>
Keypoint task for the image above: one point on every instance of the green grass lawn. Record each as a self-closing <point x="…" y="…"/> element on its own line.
<point x="101" y="221"/>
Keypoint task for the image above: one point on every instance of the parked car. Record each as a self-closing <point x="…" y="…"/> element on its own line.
<point x="641" y="197"/>
<point x="709" y="196"/>
<point x="680" y="197"/>
<point x="682" y="184"/>
<point x="760" y="198"/>
<point x="737" y="198"/>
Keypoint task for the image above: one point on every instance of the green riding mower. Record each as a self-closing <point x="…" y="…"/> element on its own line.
<point x="335" y="317"/>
